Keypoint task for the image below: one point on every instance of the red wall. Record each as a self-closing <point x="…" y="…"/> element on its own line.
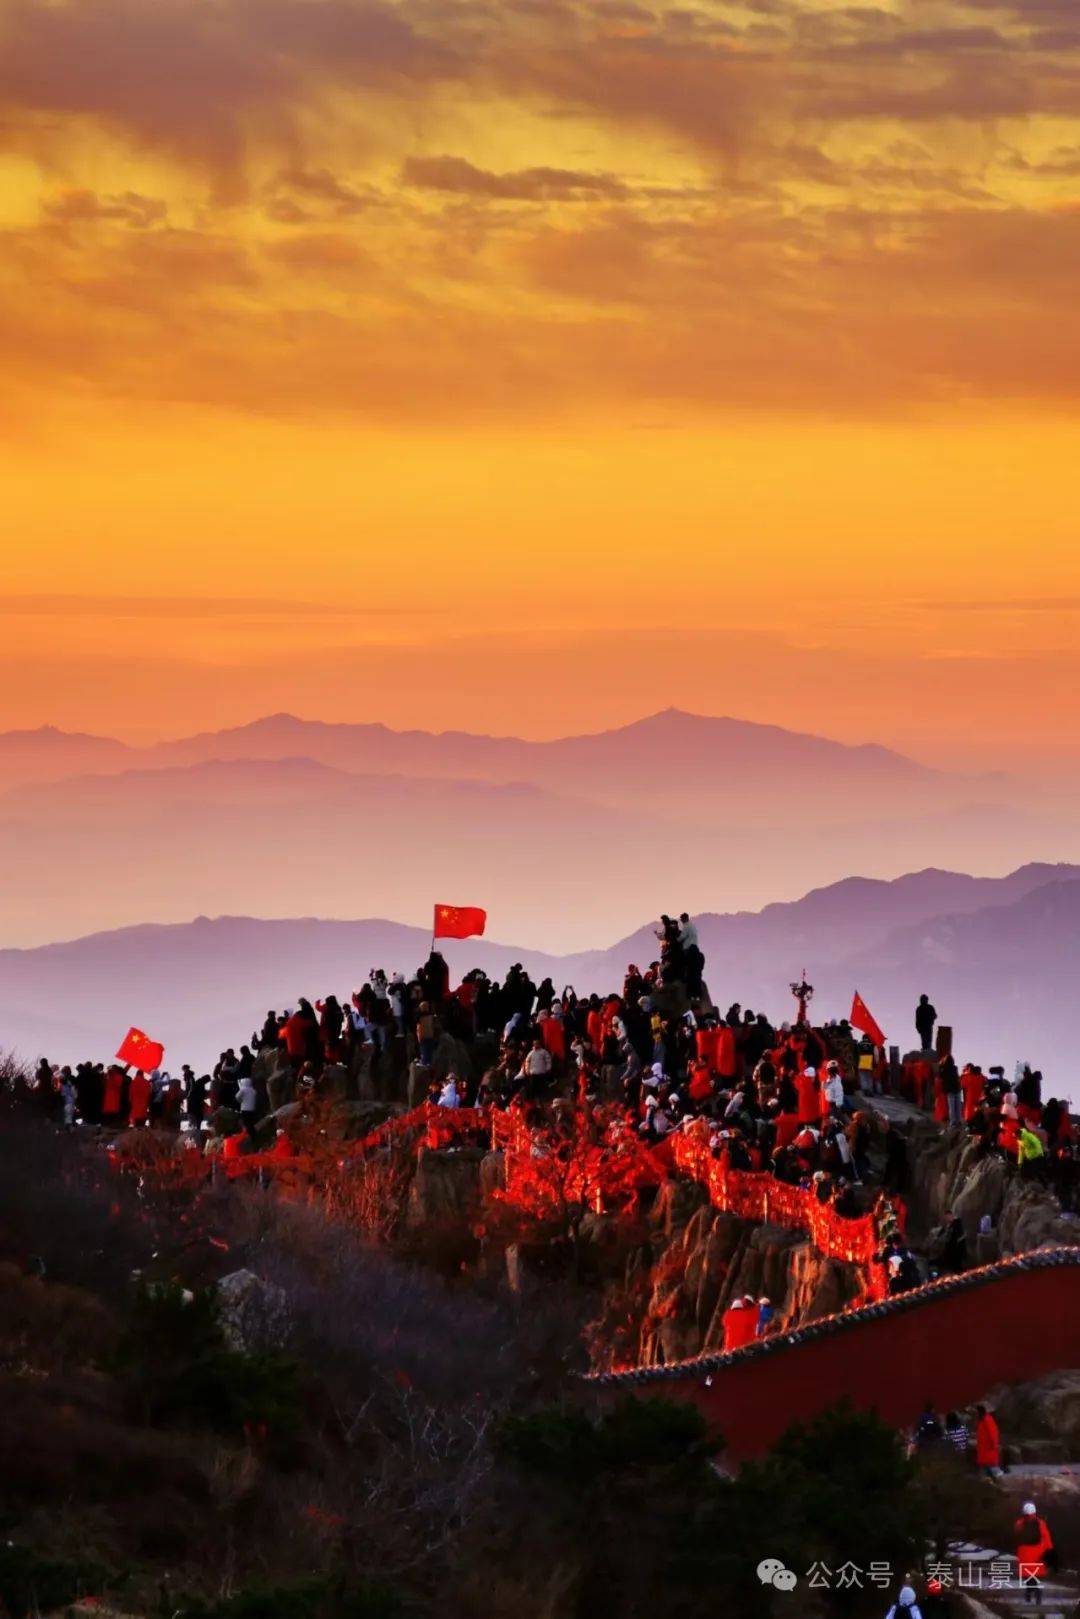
<point x="951" y="1350"/>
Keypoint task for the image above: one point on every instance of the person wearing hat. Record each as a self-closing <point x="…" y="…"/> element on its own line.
<point x="766" y="1315"/>
<point x="1034" y="1544"/>
<point x="740" y="1325"/>
<point x="833" y="1088"/>
<point x="905" y="1606"/>
<point x="808" y="1087"/>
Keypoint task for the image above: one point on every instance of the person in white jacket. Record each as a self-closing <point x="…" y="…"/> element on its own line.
<point x="905" y="1606"/>
<point x="833" y="1087"/>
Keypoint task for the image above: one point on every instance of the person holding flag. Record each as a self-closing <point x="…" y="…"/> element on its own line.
<point x="870" y="1076"/>
<point x="863" y="1020"/>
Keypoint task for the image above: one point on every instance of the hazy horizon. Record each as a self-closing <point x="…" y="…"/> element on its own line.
<point x="293" y="818"/>
<point x="994" y="955"/>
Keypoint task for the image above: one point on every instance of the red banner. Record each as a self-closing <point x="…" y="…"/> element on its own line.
<point x="139" y="1051"/>
<point x="862" y="1018"/>
<point x="458" y="921"/>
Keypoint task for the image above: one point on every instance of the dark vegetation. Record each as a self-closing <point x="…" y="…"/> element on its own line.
<point x="412" y="1443"/>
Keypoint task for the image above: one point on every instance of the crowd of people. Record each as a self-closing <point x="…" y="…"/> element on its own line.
<point x="782" y="1099"/>
<point x="795" y="1100"/>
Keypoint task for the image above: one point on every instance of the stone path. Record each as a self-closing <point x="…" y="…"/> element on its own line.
<point x="990" y="1579"/>
<point x="895" y="1108"/>
<point x="985" y="1576"/>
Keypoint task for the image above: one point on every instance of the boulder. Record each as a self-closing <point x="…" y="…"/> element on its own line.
<point x="515" y="1269"/>
<point x="146" y="1146"/>
<point x="671" y="1000"/>
<point x="1046" y="1411"/>
<point x="280" y="1082"/>
<point x="334" y="1082"/>
<point x="598" y="1232"/>
<point x="446" y="1187"/>
<point x="986" y="1248"/>
<point x="225" y="1121"/>
<point x="1044" y="1452"/>
<point x="942" y="1162"/>
<point x="361" y="1078"/>
<point x="982" y="1192"/>
<point x="254" y="1314"/>
<point x="1031" y="1217"/>
<point x="358" y="1119"/>
<point x="676" y="1202"/>
<point x="452" y="1056"/>
<point x="492" y="1174"/>
<point x="715" y="1258"/>
<point x="266" y="1062"/>
<point x="419" y="1078"/>
<point x="283" y="1115"/>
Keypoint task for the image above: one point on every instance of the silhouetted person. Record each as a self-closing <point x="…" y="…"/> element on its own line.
<point x="925" y="1018"/>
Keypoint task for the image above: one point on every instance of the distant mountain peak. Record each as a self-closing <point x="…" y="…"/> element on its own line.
<point x="55" y="733"/>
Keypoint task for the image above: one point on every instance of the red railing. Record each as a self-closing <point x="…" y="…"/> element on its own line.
<point x="755" y="1195"/>
<point x="441" y="1126"/>
<point x="599" y="1162"/>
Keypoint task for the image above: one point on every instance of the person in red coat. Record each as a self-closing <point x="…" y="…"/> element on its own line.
<point x="705" y="1046"/>
<point x="922" y="1074"/>
<point x="727" y="1053"/>
<point x="553" y="1035"/>
<point x="971" y="1083"/>
<point x="232" y="1151"/>
<point x="594" y="1028"/>
<point x="700" y="1087"/>
<point x="810" y="1099"/>
<point x="787" y="1128"/>
<point x="139" y="1095"/>
<point x="987" y="1442"/>
<point x="740" y="1325"/>
<point x="112" y="1095"/>
<point x="1033" y="1544"/>
<point x="294" y="1032"/>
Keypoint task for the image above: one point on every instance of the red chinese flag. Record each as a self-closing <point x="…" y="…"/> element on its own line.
<point x="458" y="921"/>
<point x="862" y="1018"/>
<point x="139" y="1051"/>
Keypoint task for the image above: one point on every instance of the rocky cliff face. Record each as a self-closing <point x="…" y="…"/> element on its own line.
<point x="698" y="1260"/>
<point x="445" y="1190"/>
<point x="1041" y="1419"/>
<point x="948" y="1174"/>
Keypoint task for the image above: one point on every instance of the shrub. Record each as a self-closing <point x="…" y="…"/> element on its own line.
<point x="653" y="1528"/>
<point x="179" y="1368"/>
<point x="30" y="1583"/>
<point x="564" y="1445"/>
<point x="315" y="1598"/>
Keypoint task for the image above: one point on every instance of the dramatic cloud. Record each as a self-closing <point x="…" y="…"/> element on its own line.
<point x="523" y="185"/>
<point x="74" y="207"/>
<point x="440" y="208"/>
<point x="189" y="73"/>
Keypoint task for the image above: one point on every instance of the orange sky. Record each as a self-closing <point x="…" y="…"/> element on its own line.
<point x="533" y="367"/>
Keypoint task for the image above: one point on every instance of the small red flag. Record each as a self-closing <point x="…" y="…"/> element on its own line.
<point x="139" y="1051"/>
<point x="862" y="1018"/>
<point x="458" y="921"/>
